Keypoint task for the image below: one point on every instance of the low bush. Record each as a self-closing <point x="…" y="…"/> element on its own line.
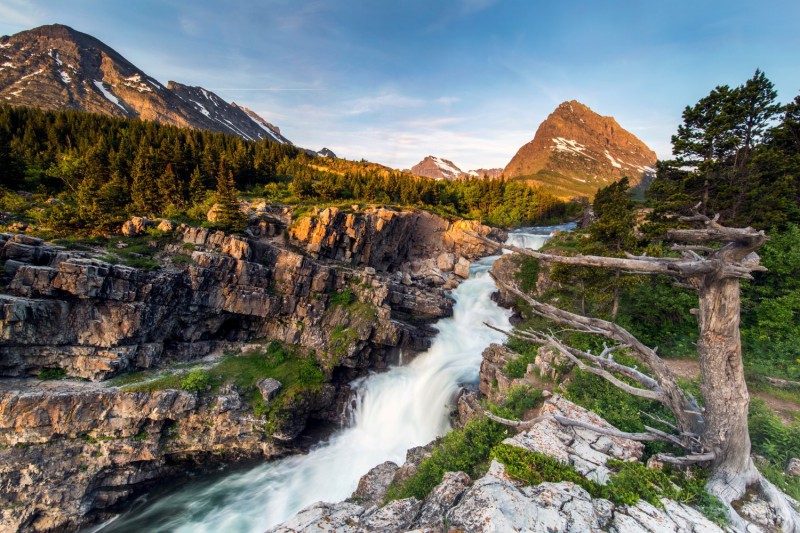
<point x="47" y="374"/>
<point x="466" y="450"/>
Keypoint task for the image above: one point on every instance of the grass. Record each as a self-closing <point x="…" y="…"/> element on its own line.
<point x="777" y="444"/>
<point x="341" y="340"/>
<point x="299" y="375"/>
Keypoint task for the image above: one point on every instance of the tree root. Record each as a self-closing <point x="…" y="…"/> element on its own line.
<point x="729" y="489"/>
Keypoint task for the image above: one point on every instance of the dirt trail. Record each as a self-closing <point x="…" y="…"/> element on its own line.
<point x="788" y="412"/>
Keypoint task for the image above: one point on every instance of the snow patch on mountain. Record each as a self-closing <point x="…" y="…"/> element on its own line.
<point x="614" y="162"/>
<point x="446" y="167"/>
<point x="108" y="95"/>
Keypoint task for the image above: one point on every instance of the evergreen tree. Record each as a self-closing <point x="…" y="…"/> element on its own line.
<point x="228" y="214"/>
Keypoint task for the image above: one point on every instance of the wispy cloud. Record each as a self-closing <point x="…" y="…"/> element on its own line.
<point x="371" y="104"/>
<point x="19" y="13"/>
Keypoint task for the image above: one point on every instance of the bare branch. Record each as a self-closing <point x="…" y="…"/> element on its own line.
<point x="611" y="432"/>
<point x="656" y="395"/>
<point x="660" y="420"/>
<point x="599" y="360"/>
<point x="685" y="410"/>
<point x="571" y="422"/>
<point x="685" y="460"/>
<point x="692" y="247"/>
<point x="669" y="266"/>
<point x="522" y="424"/>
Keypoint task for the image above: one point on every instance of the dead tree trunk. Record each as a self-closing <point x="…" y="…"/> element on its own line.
<point x="717" y="434"/>
<point x="724" y="389"/>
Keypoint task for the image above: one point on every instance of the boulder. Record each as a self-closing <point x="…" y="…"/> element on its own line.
<point x="213" y="213"/>
<point x="462" y="268"/>
<point x="166" y="226"/>
<point x="373" y="486"/>
<point x="269" y="388"/>
<point x="446" y="261"/>
<point x="136" y="226"/>
<point x="793" y="469"/>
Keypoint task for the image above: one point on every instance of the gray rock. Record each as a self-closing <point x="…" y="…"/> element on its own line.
<point x="323" y="517"/>
<point x="793" y="468"/>
<point x="441" y="499"/>
<point x="269" y="387"/>
<point x="373" y="486"/>
<point x="395" y="516"/>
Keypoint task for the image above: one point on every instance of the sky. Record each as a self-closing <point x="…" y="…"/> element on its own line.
<point x="392" y="81"/>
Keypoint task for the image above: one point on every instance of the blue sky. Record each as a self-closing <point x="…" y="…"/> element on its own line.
<point x="469" y="80"/>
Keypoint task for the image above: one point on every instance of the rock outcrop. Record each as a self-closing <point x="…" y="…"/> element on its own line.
<point x="386" y="239"/>
<point x="496" y="502"/>
<point x="576" y="151"/>
<point x="72" y="450"/>
<point x="69" y="310"/>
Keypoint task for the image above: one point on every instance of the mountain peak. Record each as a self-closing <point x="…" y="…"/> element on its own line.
<point x="57" y="67"/>
<point x="576" y="151"/>
<point x="436" y="168"/>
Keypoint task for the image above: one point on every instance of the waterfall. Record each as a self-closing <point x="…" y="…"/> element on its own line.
<point x="404" y="407"/>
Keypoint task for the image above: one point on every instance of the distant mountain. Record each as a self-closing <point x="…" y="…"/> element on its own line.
<point x="491" y="173"/>
<point x="576" y="151"/>
<point x="56" y="67"/>
<point x="436" y="168"/>
<point x="443" y="169"/>
<point x="326" y="152"/>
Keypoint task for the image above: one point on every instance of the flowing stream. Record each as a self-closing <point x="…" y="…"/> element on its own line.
<point x="404" y="407"/>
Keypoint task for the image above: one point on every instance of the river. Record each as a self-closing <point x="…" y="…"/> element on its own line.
<point x="401" y="408"/>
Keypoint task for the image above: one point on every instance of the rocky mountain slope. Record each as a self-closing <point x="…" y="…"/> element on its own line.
<point x="443" y="169"/>
<point x="576" y="151"/>
<point x="57" y="67"/>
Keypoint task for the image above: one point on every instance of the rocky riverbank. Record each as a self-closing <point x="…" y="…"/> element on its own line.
<point x="74" y="450"/>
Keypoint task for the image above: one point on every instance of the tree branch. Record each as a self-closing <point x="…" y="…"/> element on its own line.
<point x="571" y="422"/>
<point x="686" y="412"/>
<point x="685" y="460"/>
<point x="669" y="266"/>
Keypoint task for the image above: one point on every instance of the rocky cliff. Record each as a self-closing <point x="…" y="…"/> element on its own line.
<point x="576" y="151"/>
<point x="395" y="241"/>
<point x="72" y="451"/>
<point x="56" y="67"/>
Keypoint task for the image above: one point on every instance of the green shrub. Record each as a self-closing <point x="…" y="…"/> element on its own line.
<point x="527" y="273"/>
<point x="533" y="468"/>
<point x="519" y="400"/>
<point x="47" y="374"/>
<point x="777" y="444"/>
<point x="516" y="368"/>
<point x="343" y="298"/>
<point x="196" y="381"/>
<point x="465" y="450"/>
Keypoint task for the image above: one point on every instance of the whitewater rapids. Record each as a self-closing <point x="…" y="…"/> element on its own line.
<point x="406" y="406"/>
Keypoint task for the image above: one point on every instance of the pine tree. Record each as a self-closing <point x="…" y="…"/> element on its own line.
<point x="228" y="215"/>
